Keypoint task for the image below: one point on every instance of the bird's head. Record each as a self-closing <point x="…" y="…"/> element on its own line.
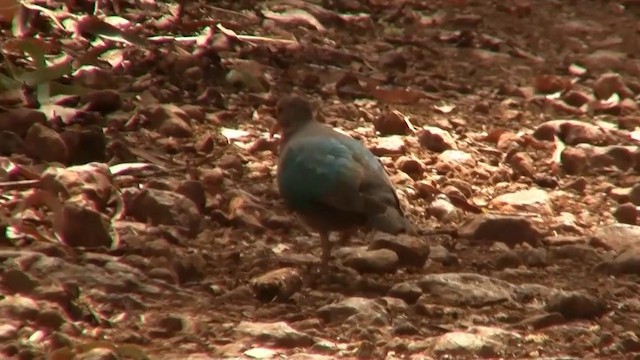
<point x="292" y="112"/>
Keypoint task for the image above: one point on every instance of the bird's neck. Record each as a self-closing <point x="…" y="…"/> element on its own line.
<point x="288" y="132"/>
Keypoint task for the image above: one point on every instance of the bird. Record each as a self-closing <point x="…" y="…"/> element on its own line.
<point x="332" y="181"/>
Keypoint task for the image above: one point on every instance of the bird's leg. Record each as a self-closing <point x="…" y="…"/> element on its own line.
<point x="326" y="250"/>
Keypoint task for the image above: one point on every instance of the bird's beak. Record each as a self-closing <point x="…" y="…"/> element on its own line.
<point x="274" y="130"/>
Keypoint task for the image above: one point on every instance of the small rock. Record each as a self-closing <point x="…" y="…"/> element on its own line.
<point x="85" y="144"/>
<point x="391" y="123"/>
<point x="277" y="333"/>
<point x="608" y="84"/>
<point x="50" y="318"/>
<point x="99" y="353"/>
<point x="195" y="191"/>
<point x="20" y="120"/>
<point x="617" y="237"/>
<point x="626" y="263"/>
<point x="189" y="268"/>
<point x="162" y="207"/>
<point x="436" y="139"/>
<point x="463" y="344"/>
<point x="278" y="285"/>
<point x="407" y="291"/>
<point x="389" y="145"/>
<point x="379" y="261"/>
<point x="411" y="251"/>
<point x="17" y="281"/>
<point x="531" y="200"/>
<point x="102" y="101"/>
<point x="8" y="332"/>
<point x="169" y="120"/>
<point x="510" y="230"/>
<point x="571" y="132"/>
<point x="457" y="158"/>
<point x="522" y="164"/>
<point x="404" y="327"/>
<point x="365" y="311"/>
<point x="466" y="289"/>
<point x="410" y="166"/>
<point x="577" y="98"/>
<point x="544" y="320"/>
<point x="84" y="227"/>
<point x="443" y="210"/>
<point x="626" y="213"/>
<point x="576" y="305"/>
<point x="574" y="161"/>
<point x="605" y="60"/>
<point x="45" y="144"/>
<point x="19" y="307"/>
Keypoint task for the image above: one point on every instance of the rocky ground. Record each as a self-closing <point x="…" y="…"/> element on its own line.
<point x="142" y="219"/>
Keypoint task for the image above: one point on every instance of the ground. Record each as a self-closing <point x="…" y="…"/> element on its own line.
<point x="508" y="129"/>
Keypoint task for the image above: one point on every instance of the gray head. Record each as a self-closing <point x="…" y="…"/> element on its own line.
<point x="292" y="113"/>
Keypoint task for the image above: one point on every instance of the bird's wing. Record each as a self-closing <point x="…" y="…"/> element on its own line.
<point x="321" y="170"/>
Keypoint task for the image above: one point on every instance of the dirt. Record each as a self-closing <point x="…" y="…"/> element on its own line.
<point x="203" y="221"/>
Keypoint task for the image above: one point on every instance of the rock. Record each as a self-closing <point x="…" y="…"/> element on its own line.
<point x="436" y="139"/>
<point x="99" y="353"/>
<point x="403" y="327"/>
<point x="408" y="291"/>
<point x="626" y="213"/>
<point x="169" y="120"/>
<point x="443" y="210"/>
<point x="194" y="190"/>
<point x="17" y="281"/>
<point x="11" y="143"/>
<point x="626" y="263"/>
<point x="102" y="101"/>
<point x="85" y="144"/>
<point x="20" y="120"/>
<point x="389" y="145"/>
<point x="391" y="123"/>
<point x="574" y="161"/>
<point x="577" y="252"/>
<point x="50" y="318"/>
<point x="84" y="227"/>
<point x="571" y="132"/>
<point x="8" y="332"/>
<point x="549" y="84"/>
<point x="617" y="237"/>
<point x="577" y="98"/>
<point x="410" y="166"/>
<point x="464" y="344"/>
<point x="379" y="261"/>
<point x="412" y="251"/>
<point x="358" y="310"/>
<point x="189" y="268"/>
<point x="532" y="200"/>
<point x="278" y="285"/>
<point x="466" y="289"/>
<point x="510" y="230"/>
<point x="278" y="334"/>
<point x="455" y="158"/>
<point x="439" y="253"/>
<point x="522" y="164"/>
<point x="19" y="307"/>
<point x="537" y="322"/>
<point x="45" y="144"/>
<point x="162" y="207"/>
<point x="576" y="305"/>
<point x="608" y="84"/>
<point x="605" y="60"/>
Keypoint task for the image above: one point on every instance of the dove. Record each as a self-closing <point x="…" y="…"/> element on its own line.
<point x="332" y="181"/>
